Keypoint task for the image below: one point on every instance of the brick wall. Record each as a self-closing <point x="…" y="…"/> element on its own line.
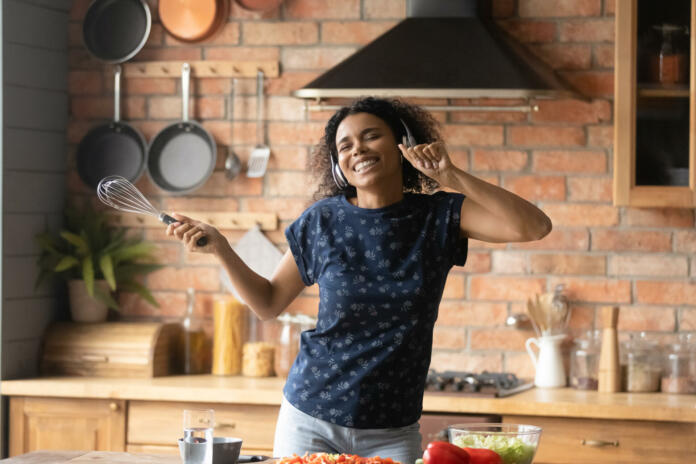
<point x="560" y="158"/>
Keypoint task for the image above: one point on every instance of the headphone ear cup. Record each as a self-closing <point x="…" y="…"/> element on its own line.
<point x="338" y="175"/>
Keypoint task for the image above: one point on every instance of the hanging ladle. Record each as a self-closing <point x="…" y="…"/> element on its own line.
<point x="233" y="165"/>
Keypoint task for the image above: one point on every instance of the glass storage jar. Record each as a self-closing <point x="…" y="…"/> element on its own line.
<point x="584" y="361"/>
<point x="679" y="373"/>
<point x="641" y="364"/>
<point x="288" y="344"/>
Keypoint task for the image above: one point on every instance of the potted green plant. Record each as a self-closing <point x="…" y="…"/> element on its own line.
<point x="95" y="259"/>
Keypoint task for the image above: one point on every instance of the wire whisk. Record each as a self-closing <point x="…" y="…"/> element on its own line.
<point x="119" y="193"/>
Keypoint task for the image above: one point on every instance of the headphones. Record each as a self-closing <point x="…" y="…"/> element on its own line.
<point x="340" y="178"/>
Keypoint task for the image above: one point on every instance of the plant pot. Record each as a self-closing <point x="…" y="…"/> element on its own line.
<point x="84" y="308"/>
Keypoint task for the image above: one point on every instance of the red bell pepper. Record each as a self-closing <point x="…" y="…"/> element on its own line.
<point x="483" y="456"/>
<point x="441" y="452"/>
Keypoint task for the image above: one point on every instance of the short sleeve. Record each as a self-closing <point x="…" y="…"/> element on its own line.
<point x="298" y="237"/>
<point x="452" y="210"/>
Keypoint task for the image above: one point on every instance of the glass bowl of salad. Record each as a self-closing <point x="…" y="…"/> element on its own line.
<point x="515" y="443"/>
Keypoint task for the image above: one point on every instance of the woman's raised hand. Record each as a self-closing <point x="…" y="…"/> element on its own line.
<point x="431" y="159"/>
<point x="189" y="231"/>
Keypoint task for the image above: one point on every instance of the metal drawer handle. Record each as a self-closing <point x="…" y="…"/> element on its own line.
<point x="95" y="358"/>
<point x="600" y="443"/>
<point x="224" y="425"/>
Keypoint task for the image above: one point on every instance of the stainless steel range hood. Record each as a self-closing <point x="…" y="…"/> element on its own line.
<point x="444" y="49"/>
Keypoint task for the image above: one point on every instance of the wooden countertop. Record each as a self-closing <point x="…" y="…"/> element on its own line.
<point x="60" y="457"/>
<point x="564" y="402"/>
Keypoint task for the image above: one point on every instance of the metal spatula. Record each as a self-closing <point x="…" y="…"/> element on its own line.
<point x="259" y="156"/>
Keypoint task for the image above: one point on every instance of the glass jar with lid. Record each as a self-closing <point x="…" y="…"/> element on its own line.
<point x="289" y="340"/>
<point x="641" y="364"/>
<point x="584" y="361"/>
<point x="679" y="373"/>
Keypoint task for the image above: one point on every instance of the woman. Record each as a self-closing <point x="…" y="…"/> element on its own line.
<point x="380" y="250"/>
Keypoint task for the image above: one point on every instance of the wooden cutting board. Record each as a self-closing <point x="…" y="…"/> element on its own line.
<point x="104" y="457"/>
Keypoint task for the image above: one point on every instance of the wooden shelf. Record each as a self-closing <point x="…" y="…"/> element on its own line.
<point x="221" y="220"/>
<point x="200" y="68"/>
<point x="661" y="91"/>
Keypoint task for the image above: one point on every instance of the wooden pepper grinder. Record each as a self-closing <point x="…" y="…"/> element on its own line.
<point x="609" y="369"/>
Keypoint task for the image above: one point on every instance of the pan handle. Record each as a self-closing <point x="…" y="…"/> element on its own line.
<point x="167" y="219"/>
<point x="117" y="93"/>
<point x="259" y="108"/>
<point x="185" y="78"/>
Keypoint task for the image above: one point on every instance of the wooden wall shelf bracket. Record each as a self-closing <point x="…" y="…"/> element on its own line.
<point x="201" y="68"/>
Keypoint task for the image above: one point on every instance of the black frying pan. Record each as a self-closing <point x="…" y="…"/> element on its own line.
<point x="115" y="30"/>
<point x="113" y="149"/>
<point x="182" y="155"/>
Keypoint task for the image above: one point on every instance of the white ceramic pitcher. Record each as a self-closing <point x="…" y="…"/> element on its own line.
<point x="550" y="372"/>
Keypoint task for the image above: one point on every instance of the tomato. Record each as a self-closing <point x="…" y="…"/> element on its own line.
<point x="483" y="456"/>
<point x="441" y="452"/>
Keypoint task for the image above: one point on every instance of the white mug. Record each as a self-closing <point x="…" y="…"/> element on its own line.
<point x="550" y="372"/>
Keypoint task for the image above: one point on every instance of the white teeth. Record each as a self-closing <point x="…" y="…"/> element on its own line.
<point x="364" y="164"/>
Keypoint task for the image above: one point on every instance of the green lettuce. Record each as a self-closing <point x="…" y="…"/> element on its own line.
<point x="512" y="450"/>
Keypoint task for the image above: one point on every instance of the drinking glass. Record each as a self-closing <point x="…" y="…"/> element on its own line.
<point x="198" y="433"/>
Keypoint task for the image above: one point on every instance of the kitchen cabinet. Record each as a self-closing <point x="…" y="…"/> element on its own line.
<point x="581" y="441"/>
<point x="655" y="104"/>
<point x="66" y="424"/>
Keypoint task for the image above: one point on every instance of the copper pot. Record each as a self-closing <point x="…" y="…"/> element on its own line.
<point x="259" y="5"/>
<point x="192" y="20"/>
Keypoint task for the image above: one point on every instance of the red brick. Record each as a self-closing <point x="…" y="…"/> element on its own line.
<point x="582" y="318"/>
<point x="291" y="158"/>
<point x="592" y="83"/>
<point x="566" y="264"/>
<point x="78" y="9"/>
<point x="603" y="56"/>
<point x="637" y="318"/>
<point x="519" y="364"/>
<point x="499" y="160"/>
<point x="574" y="111"/>
<point x="665" y="292"/>
<point x="224" y="131"/>
<point x="499" y="339"/>
<point x="287" y="184"/>
<point x="168" y="253"/>
<point x="243" y="53"/>
<point x="467" y="313"/>
<point x="587" y="30"/>
<point x="527" y="31"/>
<point x="288" y="82"/>
<point x="630" y="240"/>
<point x="280" y="33"/>
<point x="559" y="239"/>
<point x="537" y="188"/>
<point x="199" y="278"/>
<point x="149" y="86"/>
<point x="562" y="56"/>
<point x="103" y="108"/>
<point x="600" y="136"/>
<point x="449" y="338"/>
<point x="659" y="217"/>
<point x="322" y="9"/>
<point x="648" y="265"/>
<point x="228" y="34"/>
<point x="195" y="203"/>
<point x="353" y="32"/>
<point x="171" y="304"/>
<point x="157" y="35"/>
<point x="503" y="8"/>
<point x="196" y="259"/>
<point x="455" y="286"/>
<point x="560" y="8"/>
<point x="472" y="135"/>
<point x="575" y="161"/>
<point x="459" y="157"/>
<point x="384" y="9"/>
<point x="510" y="262"/>
<point x="466" y="361"/>
<point x="685" y="241"/>
<point x="85" y="82"/>
<point x="212" y="86"/>
<point x="590" y="189"/>
<point x="609" y="7"/>
<point x="487" y="116"/>
<point x="687" y="319"/>
<point x="199" y="108"/>
<point x="582" y="215"/>
<point x="219" y="184"/>
<point x="189" y="53"/>
<point x="476" y="262"/>
<point x="295" y="133"/>
<point x="74" y="35"/>
<point x="545" y="136"/>
<point x="308" y="58"/>
<point x="237" y="12"/>
<point x="597" y="290"/>
<point x="504" y="288"/>
<point x="285" y="208"/>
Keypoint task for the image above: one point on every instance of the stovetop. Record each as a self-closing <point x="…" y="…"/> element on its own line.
<point x="490" y="384"/>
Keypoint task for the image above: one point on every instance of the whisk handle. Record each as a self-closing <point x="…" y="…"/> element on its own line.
<point x="167" y="219"/>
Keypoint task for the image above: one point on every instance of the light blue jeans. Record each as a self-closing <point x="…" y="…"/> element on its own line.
<point x="300" y="433"/>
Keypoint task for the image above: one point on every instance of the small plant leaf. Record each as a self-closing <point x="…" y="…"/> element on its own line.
<point x="106" y="298"/>
<point x="88" y="274"/>
<point x="107" y="267"/>
<point x="65" y="263"/>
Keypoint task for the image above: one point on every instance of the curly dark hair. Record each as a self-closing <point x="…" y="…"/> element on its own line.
<point x="421" y="123"/>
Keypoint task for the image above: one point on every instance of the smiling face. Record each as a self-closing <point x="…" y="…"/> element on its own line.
<point x="367" y="152"/>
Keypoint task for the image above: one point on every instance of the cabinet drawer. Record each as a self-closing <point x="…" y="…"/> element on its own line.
<point x="160" y="423"/>
<point x="571" y="441"/>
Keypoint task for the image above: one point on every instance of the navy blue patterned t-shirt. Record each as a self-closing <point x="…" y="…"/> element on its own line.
<point x="381" y="273"/>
